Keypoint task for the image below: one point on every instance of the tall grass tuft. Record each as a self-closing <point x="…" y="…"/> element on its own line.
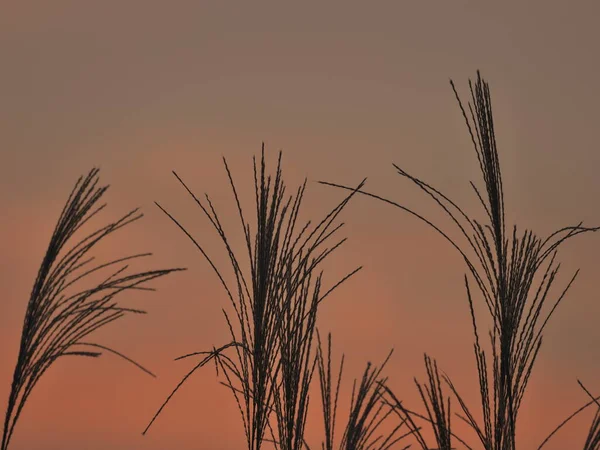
<point x="268" y="364"/>
<point x="61" y="313"/>
<point x="513" y="272"/>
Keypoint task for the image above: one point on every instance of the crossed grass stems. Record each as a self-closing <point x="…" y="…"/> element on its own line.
<point x="272" y="366"/>
<point x="513" y="273"/>
<point x="270" y="361"/>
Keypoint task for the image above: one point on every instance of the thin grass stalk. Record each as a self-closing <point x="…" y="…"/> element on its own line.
<point x="61" y="313"/>
<point x="593" y="429"/>
<point x="405" y="415"/>
<point x="329" y="404"/>
<point x="505" y="267"/>
<point x="274" y="306"/>
<point x="592" y="441"/>
<point x="437" y="405"/>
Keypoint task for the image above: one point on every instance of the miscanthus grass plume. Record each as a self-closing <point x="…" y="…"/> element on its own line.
<point x="269" y="362"/>
<point x="62" y="312"/>
<point x="514" y="274"/>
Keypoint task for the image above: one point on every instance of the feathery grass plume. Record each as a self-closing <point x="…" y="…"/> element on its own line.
<point x="369" y="412"/>
<point x="61" y="313"/>
<point x="296" y="328"/>
<point x="514" y="274"/>
<point x="275" y="307"/>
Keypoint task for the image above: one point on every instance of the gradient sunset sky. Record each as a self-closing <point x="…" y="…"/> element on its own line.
<point x="140" y="88"/>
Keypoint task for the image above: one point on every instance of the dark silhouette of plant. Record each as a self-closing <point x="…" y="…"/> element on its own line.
<point x="275" y="307"/>
<point x="297" y="319"/>
<point x="514" y="273"/>
<point x="437" y="406"/>
<point x="329" y="404"/>
<point x="61" y="313"/>
<point x="369" y="411"/>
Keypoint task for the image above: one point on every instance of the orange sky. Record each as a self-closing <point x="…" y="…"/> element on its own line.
<point x="140" y="88"/>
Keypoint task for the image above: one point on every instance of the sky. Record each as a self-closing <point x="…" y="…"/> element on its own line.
<point x="141" y="88"/>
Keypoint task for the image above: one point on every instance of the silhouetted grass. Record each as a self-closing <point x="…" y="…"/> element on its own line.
<point x="437" y="406"/>
<point x="275" y="308"/>
<point x="369" y="412"/>
<point x="270" y="361"/>
<point x="61" y="313"/>
<point x="514" y="273"/>
<point x="329" y="404"/>
<point x="296" y="364"/>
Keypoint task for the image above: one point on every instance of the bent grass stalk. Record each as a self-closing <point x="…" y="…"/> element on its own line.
<point x="593" y="437"/>
<point x="274" y="306"/>
<point x="60" y="313"/>
<point x="505" y="268"/>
